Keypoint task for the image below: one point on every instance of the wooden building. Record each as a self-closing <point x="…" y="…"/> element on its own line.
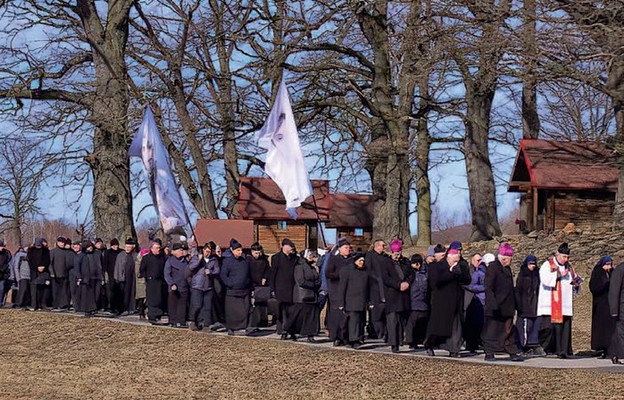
<point x="261" y="201"/>
<point x="352" y="217"/>
<point x="221" y="231"/>
<point x="564" y="182"/>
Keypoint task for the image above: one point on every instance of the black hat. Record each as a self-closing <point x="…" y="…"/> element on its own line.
<point x="256" y="247"/>
<point x="288" y="242"/>
<point x="60" y="239"/>
<point x="416" y="259"/>
<point x="86" y="244"/>
<point x="234" y="244"/>
<point x="157" y="240"/>
<point x="564" y="249"/>
<point x="358" y="255"/>
<point x="68" y="242"/>
<point x="2" y="244"/>
<point x="179" y="246"/>
<point x="130" y="241"/>
<point x="98" y="240"/>
<point x="439" y="249"/>
<point x="114" y="242"/>
<point x="343" y="242"/>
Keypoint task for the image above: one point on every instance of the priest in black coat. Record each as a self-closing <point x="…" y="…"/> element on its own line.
<point x="39" y="261"/>
<point x="335" y="317"/>
<point x="152" y="268"/>
<point x="125" y="277"/>
<point x="603" y="325"/>
<point x="283" y="282"/>
<point x="445" y="279"/>
<point x="259" y="270"/>
<point x="499" y="333"/>
<point x="376" y="261"/>
<point x="616" y="309"/>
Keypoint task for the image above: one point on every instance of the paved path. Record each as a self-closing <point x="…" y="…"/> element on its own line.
<point x="377" y="346"/>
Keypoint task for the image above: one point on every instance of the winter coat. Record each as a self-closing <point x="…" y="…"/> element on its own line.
<point x="307" y="281"/>
<point x="124" y="265"/>
<point x="19" y="266"/>
<point x="616" y="292"/>
<point x="397" y="300"/>
<point x="235" y="275"/>
<point x="282" y="274"/>
<point x="59" y="263"/>
<point x="334" y="265"/>
<point x="500" y="300"/>
<point x="39" y="257"/>
<point x="419" y="290"/>
<point x="375" y="263"/>
<point x="152" y="266"/>
<point x="204" y="273"/>
<point x="177" y="270"/>
<point x="5" y="264"/>
<point x="109" y="258"/>
<point x="354" y="288"/>
<point x="90" y="268"/>
<point x="603" y="324"/>
<point x="477" y="284"/>
<point x="527" y="291"/>
<point x="259" y="269"/>
<point x="447" y="296"/>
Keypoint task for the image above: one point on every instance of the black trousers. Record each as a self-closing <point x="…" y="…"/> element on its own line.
<point x="201" y="307"/>
<point x="355" y="326"/>
<point x="556" y="338"/>
<point x="473" y="326"/>
<point x="395" y="324"/>
<point x="499" y="334"/>
<point x="23" y="293"/>
<point x="39" y="295"/>
<point x="284" y="316"/>
<point x="73" y="288"/>
<point x="335" y="322"/>
<point x="177" y="307"/>
<point x="60" y="292"/>
<point x="377" y="321"/>
<point x="416" y="327"/>
<point x="154" y="298"/>
<point x="616" y="348"/>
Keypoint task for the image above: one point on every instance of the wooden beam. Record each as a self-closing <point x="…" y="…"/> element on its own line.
<point x="535" y="209"/>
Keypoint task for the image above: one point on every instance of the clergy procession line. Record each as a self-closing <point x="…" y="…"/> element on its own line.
<point x="439" y="301"/>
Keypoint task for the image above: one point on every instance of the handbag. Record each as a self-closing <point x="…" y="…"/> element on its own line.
<point x="306" y="295"/>
<point x="262" y="294"/>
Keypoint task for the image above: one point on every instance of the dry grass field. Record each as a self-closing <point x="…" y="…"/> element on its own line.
<point x="100" y="359"/>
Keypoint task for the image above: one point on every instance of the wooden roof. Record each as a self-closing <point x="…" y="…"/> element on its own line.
<point x="560" y="165"/>
<point x="351" y="210"/>
<point x="262" y="199"/>
<point x="221" y="231"/>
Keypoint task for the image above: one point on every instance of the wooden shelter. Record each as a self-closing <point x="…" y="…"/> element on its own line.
<point x="352" y="216"/>
<point x="261" y="201"/>
<point x="564" y="182"/>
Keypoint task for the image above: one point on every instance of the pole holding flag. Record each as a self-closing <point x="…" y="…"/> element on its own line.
<point x="148" y="145"/>
<point x="284" y="161"/>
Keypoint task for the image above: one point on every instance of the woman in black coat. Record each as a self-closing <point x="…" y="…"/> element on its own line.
<point x="603" y="324"/>
<point x="39" y="261"/>
<point x="527" y="291"/>
<point x="305" y="317"/>
<point x="353" y="299"/>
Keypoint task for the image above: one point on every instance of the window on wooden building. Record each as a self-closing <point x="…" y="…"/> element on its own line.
<point x="358" y="232"/>
<point x="282" y="225"/>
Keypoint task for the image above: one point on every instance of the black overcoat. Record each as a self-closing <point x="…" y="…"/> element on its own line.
<point x="354" y="288"/>
<point x="447" y="296"/>
<point x="603" y="324"/>
<point x="283" y="276"/>
<point x="500" y="299"/>
<point x="397" y="300"/>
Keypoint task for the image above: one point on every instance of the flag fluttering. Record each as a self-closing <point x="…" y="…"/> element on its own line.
<point x="148" y="145"/>
<point x="284" y="161"/>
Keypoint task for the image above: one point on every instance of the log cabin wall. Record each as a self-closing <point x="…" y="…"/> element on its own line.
<point x="363" y="241"/>
<point x="271" y="233"/>
<point x="586" y="210"/>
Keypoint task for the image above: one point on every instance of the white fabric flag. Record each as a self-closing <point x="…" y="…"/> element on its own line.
<point x="148" y="145"/>
<point x="284" y="160"/>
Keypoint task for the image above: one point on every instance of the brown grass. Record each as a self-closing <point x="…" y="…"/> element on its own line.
<point x="96" y="358"/>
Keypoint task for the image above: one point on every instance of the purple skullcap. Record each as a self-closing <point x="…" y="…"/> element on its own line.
<point x="505" y="249"/>
<point x="396" y="246"/>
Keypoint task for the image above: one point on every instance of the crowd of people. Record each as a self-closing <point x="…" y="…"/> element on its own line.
<point x="437" y="301"/>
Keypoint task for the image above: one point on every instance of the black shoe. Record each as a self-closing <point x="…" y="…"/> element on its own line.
<point x="615" y="360"/>
<point x="284" y="336"/>
<point x="430" y="352"/>
<point x="200" y="327"/>
<point x="230" y="332"/>
<point x="394" y="349"/>
<point x="193" y="326"/>
<point x="515" y="358"/>
<point x="311" y="339"/>
<point x="293" y="337"/>
<point x="490" y="357"/>
<point x="153" y="321"/>
<point x="356" y="345"/>
<point x="562" y="356"/>
<point x="338" y="342"/>
<point x="454" y="355"/>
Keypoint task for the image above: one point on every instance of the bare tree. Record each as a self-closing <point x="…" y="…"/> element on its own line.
<point x="23" y="164"/>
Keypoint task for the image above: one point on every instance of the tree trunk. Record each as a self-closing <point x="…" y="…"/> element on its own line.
<point x="423" y="185"/>
<point x="481" y="187"/>
<point x="390" y="176"/>
<point x="112" y="198"/>
<point x="530" y="116"/>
